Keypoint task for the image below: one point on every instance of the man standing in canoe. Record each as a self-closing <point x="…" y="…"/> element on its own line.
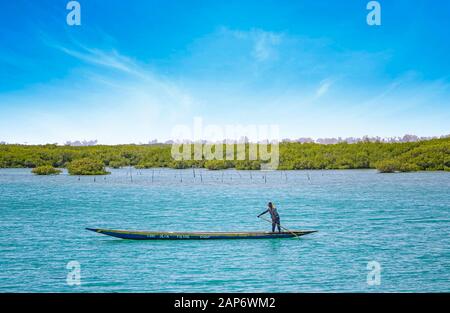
<point x="274" y="215"/>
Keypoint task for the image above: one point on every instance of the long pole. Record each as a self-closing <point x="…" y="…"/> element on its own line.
<point x="280" y="227"/>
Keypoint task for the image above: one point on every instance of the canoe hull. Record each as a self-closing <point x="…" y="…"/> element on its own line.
<point x="144" y="235"/>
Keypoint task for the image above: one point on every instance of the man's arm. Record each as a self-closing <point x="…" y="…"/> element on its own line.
<point x="263" y="212"/>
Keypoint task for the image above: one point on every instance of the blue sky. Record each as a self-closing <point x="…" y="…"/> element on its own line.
<point x="135" y="69"/>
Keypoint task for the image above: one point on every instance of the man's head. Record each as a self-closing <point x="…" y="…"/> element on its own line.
<point x="270" y="205"/>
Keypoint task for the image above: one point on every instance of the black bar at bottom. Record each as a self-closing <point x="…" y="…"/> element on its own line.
<point x="229" y="302"/>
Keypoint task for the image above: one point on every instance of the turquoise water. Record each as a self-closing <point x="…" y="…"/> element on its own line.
<point x="401" y="221"/>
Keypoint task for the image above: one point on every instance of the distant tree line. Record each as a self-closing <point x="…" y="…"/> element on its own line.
<point x="244" y="139"/>
<point x="430" y="155"/>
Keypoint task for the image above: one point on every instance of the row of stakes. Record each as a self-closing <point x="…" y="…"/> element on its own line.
<point x="129" y="173"/>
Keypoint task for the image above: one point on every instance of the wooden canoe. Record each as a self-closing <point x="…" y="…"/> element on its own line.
<point x="151" y="235"/>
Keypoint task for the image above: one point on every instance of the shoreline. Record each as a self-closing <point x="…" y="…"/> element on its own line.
<point x="237" y="170"/>
<point x="429" y="155"/>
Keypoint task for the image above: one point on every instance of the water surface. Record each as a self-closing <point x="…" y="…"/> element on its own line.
<point x="401" y="221"/>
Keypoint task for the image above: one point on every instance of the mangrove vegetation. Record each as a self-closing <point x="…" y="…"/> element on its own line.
<point x="46" y="170"/>
<point x="427" y="155"/>
<point x="87" y="166"/>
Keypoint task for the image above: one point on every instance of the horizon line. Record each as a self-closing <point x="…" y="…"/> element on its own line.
<point x="244" y="139"/>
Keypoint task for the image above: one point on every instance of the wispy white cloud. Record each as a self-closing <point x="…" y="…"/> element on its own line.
<point x="133" y="105"/>
<point x="263" y="43"/>
<point x="323" y="88"/>
<point x="109" y="59"/>
<point x="247" y="76"/>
